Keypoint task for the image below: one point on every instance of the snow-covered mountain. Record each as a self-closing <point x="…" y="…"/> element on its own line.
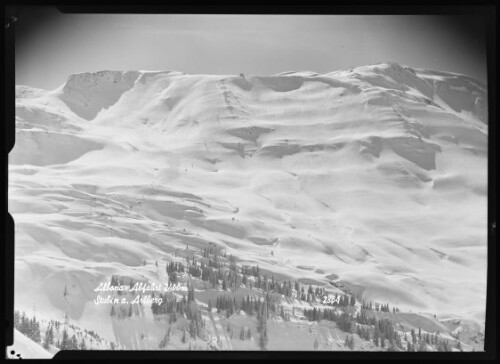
<point x="375" y="177"/>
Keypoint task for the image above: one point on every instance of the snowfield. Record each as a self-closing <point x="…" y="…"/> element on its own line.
<point x="26" y="348"/>
<point x="375" y="175"/>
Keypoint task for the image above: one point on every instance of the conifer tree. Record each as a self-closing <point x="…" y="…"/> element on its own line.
<point x="190" y="293"/>
<point x="51" y="334"/>
<point x="192" y="329"/>
<point x="34" y="331"/>
<point x="376" y="336"/>
<point x="262" y="327"/>
<point x="263" y="339"/>
<point x="351" y="343"/>
<point x="47" y="339"/>
<point x="74" y="343"/>
<point x="65" y="341"/>
<point x="83" y="346"/>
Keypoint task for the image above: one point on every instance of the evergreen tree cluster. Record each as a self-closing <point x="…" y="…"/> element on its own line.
<point x="385" y="335"/>
<point x="28" y="327"/>
<point x="227" y="304"/>
<point x="196" y="324"/>
<point x="250" y="306"/>
<point x="185" y="308"/>
<point x="245" y="333"/>
<point x="343" y="319"/>
<point x="349" y="342"/>
<point x="49" y="336"/>
<point x="173" y="268"/>
<point x="262" y="316"/>
<point x="378" y="307"/>
<point x="70" y="343"/>
<point x="383" y="329"/>
<point x="170" y="305"/>
<point x="363" y="318"/>
<point x="421" y="342"/>
<point x="211" y="250"/>
<point x="122" y="311"/>
<point x="250" y="270"/>
<point x="55" y="329"/>
<point x="213" y="269"/>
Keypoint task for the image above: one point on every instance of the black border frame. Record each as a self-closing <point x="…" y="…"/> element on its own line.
<point x="486" y="8"/>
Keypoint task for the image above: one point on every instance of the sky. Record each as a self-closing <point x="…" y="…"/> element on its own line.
<point x="51" y="45"/>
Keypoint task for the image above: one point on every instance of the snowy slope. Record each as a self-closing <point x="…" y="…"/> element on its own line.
<point x="27" y="348"/>
<point x="377" y="175"/>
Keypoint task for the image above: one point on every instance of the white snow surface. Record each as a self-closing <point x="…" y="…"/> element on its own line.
<point x="27" y="348"/>
<point x="376" y="174"/>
